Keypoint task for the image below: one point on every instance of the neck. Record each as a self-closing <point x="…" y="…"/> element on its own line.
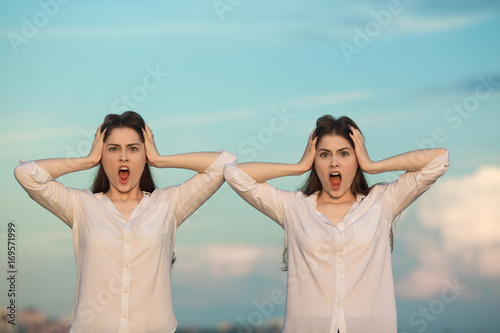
<point x="347" y="197"/>
<point x="133" y="195"/>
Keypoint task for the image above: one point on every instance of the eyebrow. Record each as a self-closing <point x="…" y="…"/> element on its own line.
<point x="117" y="145"/>
<point x="328" y="150"/>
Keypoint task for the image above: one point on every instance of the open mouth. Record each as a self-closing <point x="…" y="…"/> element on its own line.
<point x="124" y="174"/>
<point x="335" y="180"/>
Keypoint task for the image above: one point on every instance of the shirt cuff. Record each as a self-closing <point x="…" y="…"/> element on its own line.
<point x="438" y="166"/>
<point x="238" y="178"/>
<point x="37" y="173"/>
<point x="216" y="168"/>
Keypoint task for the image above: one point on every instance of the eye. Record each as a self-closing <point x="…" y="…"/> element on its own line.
<point x="323" y="154"/>
<point x="113" y="149"/>
<point x="134" y="149"/>
<point x="344" y="154"/>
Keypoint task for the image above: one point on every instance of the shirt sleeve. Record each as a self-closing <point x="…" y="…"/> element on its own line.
<point x="411" y="185"/>
<point x="194" y="192"/>
<point x="262" y="196"/>
<point x="49" y="193"/>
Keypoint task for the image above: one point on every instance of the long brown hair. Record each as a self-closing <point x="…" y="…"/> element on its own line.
<point x="129" y="119"/>
<point x="328" y="125"/>
<point x="133" y="120"/>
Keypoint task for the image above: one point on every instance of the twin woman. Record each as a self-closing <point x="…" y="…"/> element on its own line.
<point x="338" y="229"/>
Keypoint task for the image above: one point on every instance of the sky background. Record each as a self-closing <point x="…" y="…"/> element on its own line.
<point x="252" y="77"/>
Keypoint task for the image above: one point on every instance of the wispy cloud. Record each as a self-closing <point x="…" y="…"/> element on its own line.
<point x="36" y="135"/>
<point x="426" y="24"/>
<point x="202" y="119"/>
<point x="323" y="100"/>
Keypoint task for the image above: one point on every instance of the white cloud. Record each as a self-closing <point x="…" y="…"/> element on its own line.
<point x="465" y="210"/>
<point x="223" y="261"/>
<point x="489" y="262"/>
<point x="465" y="213"/>
<point x="427" y="279"/>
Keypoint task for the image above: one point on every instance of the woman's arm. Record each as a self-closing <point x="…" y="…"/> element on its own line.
<point x="57" y="167"/>
<point x="198" y="162"/>
<point x="410" y="161"/>
<point x="261" y="171"/>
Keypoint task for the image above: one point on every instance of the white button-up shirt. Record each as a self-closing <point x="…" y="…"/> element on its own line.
<point x="339" y="276"/>
<point x="123" y="266"/>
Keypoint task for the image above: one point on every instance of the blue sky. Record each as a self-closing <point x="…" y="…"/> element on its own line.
<point x="251" y="77"/>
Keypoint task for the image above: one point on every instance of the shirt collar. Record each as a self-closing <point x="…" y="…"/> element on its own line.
<point x="313" y="198"/>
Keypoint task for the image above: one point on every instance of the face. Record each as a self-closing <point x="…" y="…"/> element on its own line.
<point x="336" y="165"/>
<point x="123" y="159"/>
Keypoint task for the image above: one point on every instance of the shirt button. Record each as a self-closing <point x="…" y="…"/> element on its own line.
<point x="124" y="316"/>
<point x="125" y="291"/>
<point x="128" y="241"/>
<point x="338" y="303"/>
<point x="126" y="266"/>
<point x="340" y="279"/>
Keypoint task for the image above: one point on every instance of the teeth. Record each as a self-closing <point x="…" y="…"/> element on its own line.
<point x="334" y="174"/>
<point x="124" y="168"/>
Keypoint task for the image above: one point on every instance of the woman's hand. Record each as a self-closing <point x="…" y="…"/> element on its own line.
<point x="152" y="154"/>
<point x="95" y="153"/>
<point x="364" y="161"/>
<point x="307" y="160"/>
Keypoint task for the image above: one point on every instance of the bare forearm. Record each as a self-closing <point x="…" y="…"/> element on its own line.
<point x="57" y="167"/>
<point x="198" y="162"/>
<point x="410" y="161"/>
<point x="261" y="171"/>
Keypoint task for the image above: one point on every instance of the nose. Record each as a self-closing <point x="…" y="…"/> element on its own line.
<point x="334" y="162"/>
<point x="123" y="155"/>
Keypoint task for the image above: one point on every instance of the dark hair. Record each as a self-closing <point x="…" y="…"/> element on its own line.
<point x="133" y="120"/>
<point x="328" y="125"/>
<point x="129" y="119"/>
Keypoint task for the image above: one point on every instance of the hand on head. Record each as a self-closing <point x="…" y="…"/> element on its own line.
<point x="149" y="143"/>
<point x="364" y="160"/>
<point x="95" y="153"/>
<point x="307" y="159"/>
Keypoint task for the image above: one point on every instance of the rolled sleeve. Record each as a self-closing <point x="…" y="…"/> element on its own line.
<point x="412" y="185"/>
<point x="49" y="193"/>
<point x="194" y="192"/>
<point x="262" y="196"/>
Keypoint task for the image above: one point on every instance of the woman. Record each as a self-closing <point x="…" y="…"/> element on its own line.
<point x="124" y="232"/>
<point x="337" y="229"/>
